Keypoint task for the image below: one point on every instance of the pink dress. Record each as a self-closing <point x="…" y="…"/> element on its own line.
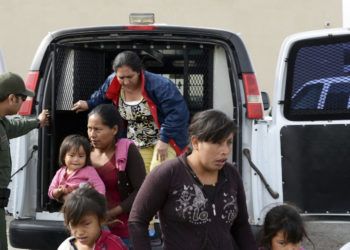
<point x="108" y="174"/>
<point x="86" y="174"/>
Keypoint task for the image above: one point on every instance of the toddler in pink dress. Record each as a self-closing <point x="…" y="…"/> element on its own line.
<point x="75" y="170"/>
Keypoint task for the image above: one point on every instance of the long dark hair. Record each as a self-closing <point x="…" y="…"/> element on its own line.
<point x="211" y="126"/>
<point x="128" y="58"/>
<point x="83" y="201"/>
<point x="284" y="218"/>
<point x="74" y="142"/>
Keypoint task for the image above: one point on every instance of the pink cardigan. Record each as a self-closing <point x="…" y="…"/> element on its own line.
<point x="86" y="174"/>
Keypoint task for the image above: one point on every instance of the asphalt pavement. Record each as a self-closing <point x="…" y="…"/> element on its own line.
<point x="327" y="236"/>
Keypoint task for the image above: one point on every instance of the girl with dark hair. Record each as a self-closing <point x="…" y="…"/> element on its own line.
<point x="84" y="215"/>
<point x="199" y="195"/>
<point x="156" y="113"/>
<point x="119" y="164"/>
<point x="75" y="160"/>
<point x="283" y="229"/>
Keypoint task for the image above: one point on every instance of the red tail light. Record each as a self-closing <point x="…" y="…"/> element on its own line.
<point x="31" y="83"/>
<point x="252" y="97"/>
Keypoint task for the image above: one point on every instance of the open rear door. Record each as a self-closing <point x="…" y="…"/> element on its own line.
<point x="311" y="113"/>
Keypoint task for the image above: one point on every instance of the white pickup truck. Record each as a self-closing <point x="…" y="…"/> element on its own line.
<point x="298" y="153"/>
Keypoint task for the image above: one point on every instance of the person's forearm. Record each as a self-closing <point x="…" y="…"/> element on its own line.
<point x="139" y="236"/>
<point x="98" y="97"/>
<point x="19" y="126"/>
<point x="127" y="203"/>
<point x="136" y="173"/>
<point x="116" y="211"/>
<point x="57" y="194"/>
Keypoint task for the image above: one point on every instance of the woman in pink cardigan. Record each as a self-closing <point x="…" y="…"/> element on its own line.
<point x="74" y="158"/>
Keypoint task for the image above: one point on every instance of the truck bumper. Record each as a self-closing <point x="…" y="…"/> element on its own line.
<point x="37" y="234"/>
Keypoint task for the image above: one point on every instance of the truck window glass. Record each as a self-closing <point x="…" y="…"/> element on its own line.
<point x="318" y="80"/>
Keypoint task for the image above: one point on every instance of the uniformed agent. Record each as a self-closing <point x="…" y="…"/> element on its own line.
<point x="12" y="94"/>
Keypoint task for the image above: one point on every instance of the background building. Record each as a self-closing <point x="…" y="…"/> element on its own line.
<point x="262" y="24"/>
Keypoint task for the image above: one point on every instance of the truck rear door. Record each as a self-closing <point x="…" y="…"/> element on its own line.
<point x="312" y="111"/>
<point x="302" y="149"/>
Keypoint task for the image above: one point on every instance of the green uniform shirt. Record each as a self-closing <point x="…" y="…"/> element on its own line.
<point x="11" y="128"/>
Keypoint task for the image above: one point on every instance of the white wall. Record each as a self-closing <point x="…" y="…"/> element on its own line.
<point x="346" y="13"/>
<point x="263" y="24"/>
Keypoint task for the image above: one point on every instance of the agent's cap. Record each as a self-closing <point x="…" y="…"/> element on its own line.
<point x="11" y="83"/>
